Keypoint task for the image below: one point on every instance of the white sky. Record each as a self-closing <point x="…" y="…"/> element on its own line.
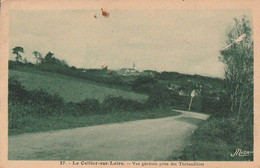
<point x="185" y="41"/>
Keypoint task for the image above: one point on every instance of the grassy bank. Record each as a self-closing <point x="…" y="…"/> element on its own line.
<point x="216" y="139"/>
<point x="71" y="88"/>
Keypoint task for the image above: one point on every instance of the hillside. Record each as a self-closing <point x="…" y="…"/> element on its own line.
<point x="71" y="88"/>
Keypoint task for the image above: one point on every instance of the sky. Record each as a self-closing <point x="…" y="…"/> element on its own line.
<point x="184" y="41"/>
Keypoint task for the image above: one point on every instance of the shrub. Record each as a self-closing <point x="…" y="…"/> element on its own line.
<point x="17" y="115"/>
<point x="13" y="64"/>
<point x="45" y="98"/>
<point x="159" y="97"/>
<point x="120" y="104"/>
<point x="143" y="84"/>
<point x="89" y="106"/>
<point x="15" y="90"/>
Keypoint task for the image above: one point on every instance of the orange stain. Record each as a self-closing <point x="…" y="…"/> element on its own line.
<point x="104" y="13"/>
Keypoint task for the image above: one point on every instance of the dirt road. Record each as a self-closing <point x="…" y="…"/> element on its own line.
<point x="151" y="139"/>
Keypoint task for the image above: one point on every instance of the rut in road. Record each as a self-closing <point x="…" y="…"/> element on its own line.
<point x="151" y="139"/>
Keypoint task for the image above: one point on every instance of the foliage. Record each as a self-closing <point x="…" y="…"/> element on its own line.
<point x="238" y="59"/>
<point x="89" y="106"/>
<point x="231" y="125"/>
<point x="144" y="84"/>
<point x="15" y="90"/>
<point x="17" y="50"/>
<point x="111" y="104"/>
<point x="45" y="98"/>
<point x="38" y="57"/>
<point x="159" y="97"/>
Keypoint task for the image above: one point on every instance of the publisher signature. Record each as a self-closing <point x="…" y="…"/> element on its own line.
<point x="240" y="152"/>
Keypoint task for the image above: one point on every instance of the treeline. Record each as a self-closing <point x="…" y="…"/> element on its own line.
<point x="52" y="64"/>
<point x="178" y="76"/>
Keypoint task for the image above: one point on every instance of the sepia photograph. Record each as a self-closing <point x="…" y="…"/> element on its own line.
<point x="116" y="84"/>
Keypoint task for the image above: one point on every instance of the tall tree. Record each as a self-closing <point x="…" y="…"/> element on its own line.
<point x="49" y="58"/>
<point x="238" y="58"/>
<point x="38" y="57"/>
<point x="17" y="50"/>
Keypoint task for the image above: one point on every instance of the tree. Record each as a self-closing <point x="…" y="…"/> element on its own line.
<point x="63" y="63"/>
<point x="16" y="51"/>
<point x="49" y="58"/>
<point x="238" y="58"/>
<point x="38" y="57"/>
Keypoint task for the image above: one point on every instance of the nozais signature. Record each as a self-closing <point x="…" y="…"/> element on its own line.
<point x="240" y="152"/>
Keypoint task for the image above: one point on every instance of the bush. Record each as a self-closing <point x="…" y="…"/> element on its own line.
<point x="33" y="102"/>
<point x="45" y="98"/>
<point x="120" y="104"/>
<point x="88" y="106"/>
<point x="17" y="115"/>
<point x="13" y="64"/>
<point x="144" y="84"/>
<point x="159" y="97"/>
<point x="16" y="91"/>
<point x="145" y="88"/>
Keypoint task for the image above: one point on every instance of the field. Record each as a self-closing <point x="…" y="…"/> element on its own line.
<point x="70" y="88"/>
<point x="47" y="112"/>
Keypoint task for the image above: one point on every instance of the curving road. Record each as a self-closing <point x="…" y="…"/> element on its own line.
<point x="151" y="139"/>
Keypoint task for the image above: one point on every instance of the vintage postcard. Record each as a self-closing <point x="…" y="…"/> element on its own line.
<point x="129" y="83"/>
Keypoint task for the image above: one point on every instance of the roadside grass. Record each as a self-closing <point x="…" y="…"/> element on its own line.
<point x="216" y="139"/>
<point x="194" y="121"/>
<point x="71" y="89"/>
<point x="67" y="121"/>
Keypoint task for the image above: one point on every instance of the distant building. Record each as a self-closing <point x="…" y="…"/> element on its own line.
<point x="128" y="72"/>
<point x="148" y="73"/>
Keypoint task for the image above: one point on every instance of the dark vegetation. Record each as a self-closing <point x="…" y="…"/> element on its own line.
<point x="231" y="126"/>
